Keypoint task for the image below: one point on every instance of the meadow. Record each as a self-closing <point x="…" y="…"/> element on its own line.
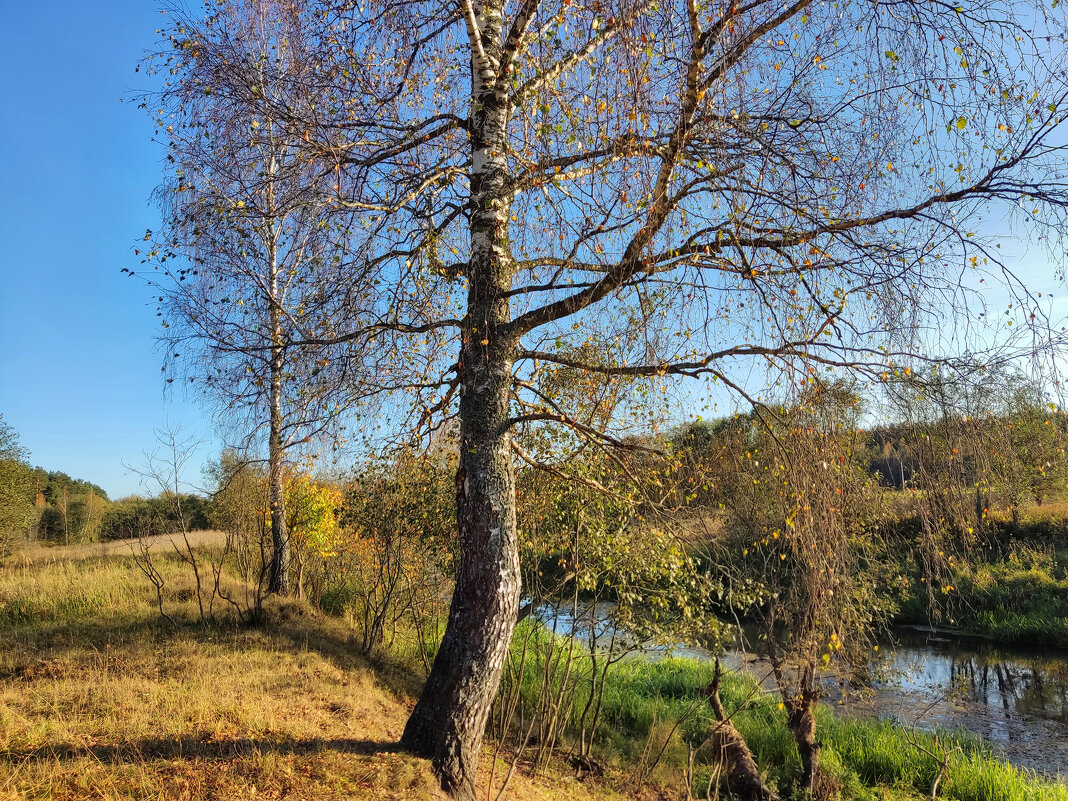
<point x="102" y="698"/>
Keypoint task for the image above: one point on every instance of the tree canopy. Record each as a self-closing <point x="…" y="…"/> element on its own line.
<point x="545" y="204"/>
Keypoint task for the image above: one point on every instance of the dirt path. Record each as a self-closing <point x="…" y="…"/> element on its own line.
<point x="40" y="554"/>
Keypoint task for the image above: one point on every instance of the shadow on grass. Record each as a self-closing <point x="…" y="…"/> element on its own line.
<point x="341" y="649"/>
<point x="201" y="749"/>
<point x="52" y="639"/>
<point x="292" y="628"/>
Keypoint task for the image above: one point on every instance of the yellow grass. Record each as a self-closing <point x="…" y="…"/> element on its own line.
<point x="101" y="699"/>
<point x="36" y="554"/>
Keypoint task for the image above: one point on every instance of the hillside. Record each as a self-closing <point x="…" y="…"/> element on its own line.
<point x="101" y="699"/>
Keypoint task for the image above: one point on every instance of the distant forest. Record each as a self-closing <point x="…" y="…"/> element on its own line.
<point x="48" y="505"/>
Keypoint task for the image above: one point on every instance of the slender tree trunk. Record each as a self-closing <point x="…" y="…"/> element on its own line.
<point x="278" y="578"/>
<point x="449" y="721"/>
<point x="800" y="704"/>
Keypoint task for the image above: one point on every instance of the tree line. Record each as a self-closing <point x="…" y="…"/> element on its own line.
<point x="38" y="505"/>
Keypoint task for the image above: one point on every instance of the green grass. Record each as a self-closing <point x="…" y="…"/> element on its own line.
<point x="1014" y="590"/>
<point x="878" y="752"/>
<point x="870" y="759"/>
<point x="1019" y="597"/>
<point x="32" y="596"/>
<point x="1009" y="585"/>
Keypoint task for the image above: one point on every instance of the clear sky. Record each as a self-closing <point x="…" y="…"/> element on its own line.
<point x="79" y="371"/>
<point x="79" y="374"/>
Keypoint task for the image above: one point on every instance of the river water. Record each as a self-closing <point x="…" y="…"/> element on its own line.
<point x="1015" y="698"/>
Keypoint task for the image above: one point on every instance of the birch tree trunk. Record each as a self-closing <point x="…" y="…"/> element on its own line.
<point x="278" y="576"/>
<point x="448" y="722"/>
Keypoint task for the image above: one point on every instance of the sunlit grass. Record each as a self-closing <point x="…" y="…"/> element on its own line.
<point x="869" y="759"/>
<point x="101" y="698"/>
<point x="1019" y="596"/>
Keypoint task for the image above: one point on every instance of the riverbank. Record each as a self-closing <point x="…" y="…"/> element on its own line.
<point x="101" y="698"/>
<point x="864" y="757"/>
<point x="1013" y="590"/>
<point x="659" y="704"/>
<point x="1018" y="595"/>
<point x="1013" y="698"/>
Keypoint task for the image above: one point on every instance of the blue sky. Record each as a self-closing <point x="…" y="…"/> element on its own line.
<point x="79" y="373"/>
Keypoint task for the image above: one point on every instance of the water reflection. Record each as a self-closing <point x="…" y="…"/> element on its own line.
<point x="1031" y="684"/>
<point x="1016" y="698"/>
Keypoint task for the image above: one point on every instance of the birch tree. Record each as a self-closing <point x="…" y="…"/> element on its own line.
<point x="641" y="190"/>
<point x="246" y="260"/>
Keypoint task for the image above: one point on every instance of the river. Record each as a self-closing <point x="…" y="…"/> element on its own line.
<point x="1014" y="697"/>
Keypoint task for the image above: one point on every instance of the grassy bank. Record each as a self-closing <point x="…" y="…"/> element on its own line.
<point x="102" y="699"/>
<point x="1019" y="596"/>
<point x="660" y="706"/>
<point x="1007" y="582"/>
<point x="1015" y="591"/>
<point x="868" y="758"/>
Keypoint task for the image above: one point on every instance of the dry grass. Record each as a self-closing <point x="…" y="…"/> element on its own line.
<point x="1052" y="512"/>
<point x="38" y="554"/>
<point x="101" y="699"/>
